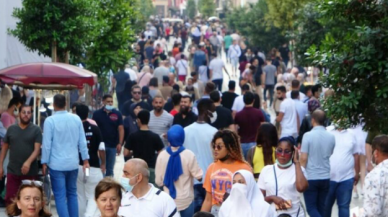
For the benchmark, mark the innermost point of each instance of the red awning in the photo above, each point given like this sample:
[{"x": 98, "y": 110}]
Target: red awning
[{"x": 48, "y": 76}]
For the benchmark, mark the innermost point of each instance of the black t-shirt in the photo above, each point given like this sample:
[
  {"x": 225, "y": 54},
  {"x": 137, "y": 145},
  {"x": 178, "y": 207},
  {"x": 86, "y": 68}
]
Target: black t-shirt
[
  {"x": 145, "y": 145},
  {"x": 224, "y": 118},
  {"x": 257, "y": 75},
  {"x": 184, "y": 122},
  {"x": 228, "y": 99},
  {"x": 168, "y": 106},
  {"x": 93, "y": 140},
  {"x": 141, "y": 44},
  {"x": 284, "y": 52}
]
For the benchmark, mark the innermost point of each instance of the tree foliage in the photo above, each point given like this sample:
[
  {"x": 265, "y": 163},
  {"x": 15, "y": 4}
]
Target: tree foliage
[
  {"x": 358, "y": 62},
  {"x": 191, "y": 9},
  {"x": 207, "y": 8},
  {"x": 283, "y": 13},
  {"x": 40, "y": 23},
  {"x": 112, "y": 36},
  {"x": 251, "y": 23}
]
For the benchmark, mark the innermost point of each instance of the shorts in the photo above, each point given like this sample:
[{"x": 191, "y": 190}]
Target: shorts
[
  {"x": 234, "y": 61},
  {"x": 182, "y": 78}
]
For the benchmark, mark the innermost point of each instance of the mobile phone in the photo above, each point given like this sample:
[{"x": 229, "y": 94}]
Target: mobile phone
[{"x": 87, "y": 172}]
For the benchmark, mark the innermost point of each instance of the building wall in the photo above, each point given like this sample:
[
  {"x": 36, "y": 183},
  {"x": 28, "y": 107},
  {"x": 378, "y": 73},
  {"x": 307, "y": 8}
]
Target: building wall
[{"x": 161, "y": 7}]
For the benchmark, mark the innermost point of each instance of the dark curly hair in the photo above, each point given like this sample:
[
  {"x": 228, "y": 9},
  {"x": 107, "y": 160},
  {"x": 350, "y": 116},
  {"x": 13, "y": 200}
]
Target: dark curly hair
[{"x": 232, "y": 144}]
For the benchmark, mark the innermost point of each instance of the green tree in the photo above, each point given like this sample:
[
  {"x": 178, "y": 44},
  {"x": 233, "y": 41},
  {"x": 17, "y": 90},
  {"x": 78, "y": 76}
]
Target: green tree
[
  {"x": 357, "y": 61},
  {"x": 44, "y": 26},
  {"x": 258, "y": 30},
  {"x": 191, "y": 9},
  {"x": 113, "y": 35},
  {"x": 207, "y": 8},
  {"x": 283, "y": 13}
]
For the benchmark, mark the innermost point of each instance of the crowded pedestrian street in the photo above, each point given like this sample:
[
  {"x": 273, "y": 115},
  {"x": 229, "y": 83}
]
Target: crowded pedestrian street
[{"x": 193, "y": 108}]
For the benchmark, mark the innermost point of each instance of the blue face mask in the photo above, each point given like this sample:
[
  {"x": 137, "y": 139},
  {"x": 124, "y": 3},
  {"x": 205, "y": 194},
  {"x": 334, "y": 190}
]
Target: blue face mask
[
  {"x": 125, "y": 183},
  {"x": 109, "y": 107}
]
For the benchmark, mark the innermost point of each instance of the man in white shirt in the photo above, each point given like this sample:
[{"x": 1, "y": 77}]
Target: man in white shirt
[
  {"x": 148, "y": 33},
  {"x": 182, "y": 67},
  {"x": 376, "y": 182},
  {"x": 295, "y": 85},
  {"x": 216, "y": 74},
  {"x": 132, "y": 74},
  {"x": 142, "y": 198},
  {"x": 234, "y": 53},
  {"x": 238, "y": 103},
  {"x": 301, "y": 107},
  {"x": 343, "y": 162},
  {"x": 288, "y": 117}
]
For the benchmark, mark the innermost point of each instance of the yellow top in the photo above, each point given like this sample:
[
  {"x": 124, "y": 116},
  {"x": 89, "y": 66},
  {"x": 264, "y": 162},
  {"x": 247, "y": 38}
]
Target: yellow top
[{"x": 258, "y": 159}]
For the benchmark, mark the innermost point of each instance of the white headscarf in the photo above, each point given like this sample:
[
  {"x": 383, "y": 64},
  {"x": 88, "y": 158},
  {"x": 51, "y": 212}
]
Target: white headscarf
[{"x": 246, "y": 200}]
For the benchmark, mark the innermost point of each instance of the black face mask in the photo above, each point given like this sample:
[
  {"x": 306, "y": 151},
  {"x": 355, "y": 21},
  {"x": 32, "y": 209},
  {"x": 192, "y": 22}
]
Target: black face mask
[{"x": 280, "y": 98}]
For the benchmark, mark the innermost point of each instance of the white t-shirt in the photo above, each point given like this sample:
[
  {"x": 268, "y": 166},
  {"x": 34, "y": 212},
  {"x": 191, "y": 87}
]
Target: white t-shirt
[
  {"x": 182, "y": 66},
  {"x": 360, "y": 137},
  {"x": 342, "y": 159},
  {"x": 132, "y": 74},
  {"x": 289, "y": 122},
  {"x": 286, "y": 179},
  {"x": 216, "y": 66},
  {"x": 202, "y": 71},
  {"x": 302, "y": 96},
  {"x": 178, "y": 40},
  {"x": 172, "y": 61},
  {"x": 238, "y": 104},
  {"x": 156, "y": 203}
]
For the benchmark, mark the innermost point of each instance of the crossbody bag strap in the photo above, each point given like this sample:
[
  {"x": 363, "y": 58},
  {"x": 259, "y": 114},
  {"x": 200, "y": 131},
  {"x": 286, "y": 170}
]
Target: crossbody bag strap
[{"x": 276, "y": 180}]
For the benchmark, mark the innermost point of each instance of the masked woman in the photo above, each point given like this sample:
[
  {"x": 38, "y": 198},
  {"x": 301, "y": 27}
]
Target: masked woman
[{"x": 282, "y": 182}]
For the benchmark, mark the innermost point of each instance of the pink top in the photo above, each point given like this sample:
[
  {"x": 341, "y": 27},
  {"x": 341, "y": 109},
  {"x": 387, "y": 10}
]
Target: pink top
[
  {"x": 7, "y": 119},
  {"x": 143, "y": 80}
]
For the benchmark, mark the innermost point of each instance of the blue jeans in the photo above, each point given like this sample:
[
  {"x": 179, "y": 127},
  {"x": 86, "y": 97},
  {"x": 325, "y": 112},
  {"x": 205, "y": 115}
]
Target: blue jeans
[
  {"x": 110, "y": 154},
  {"x": 64, "y": 185},
  {"x": 315, "y": 197},
  {"x": 218, "y": 83},
  {"x": 245, "y": 148},
  {"x": 342, "y": 192},
  {"x": 188, "y": 212},
  {"x": 199, "y": 197}
]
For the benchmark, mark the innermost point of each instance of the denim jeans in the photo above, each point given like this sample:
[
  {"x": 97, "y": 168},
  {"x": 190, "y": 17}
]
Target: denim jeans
[
  {"x": 199, "y": 197},
  {"x": 342, "y": 192},
  {"x": 188, "y": 212},
  {"x": 270, "y": 88},
  {"x": 110, "y": 154},
  {"x": 245, "y": 148},
  {"x": 315, "y": 197},
  {"x": 64, "y": 185},
  {"x": 218, "y": 83}
]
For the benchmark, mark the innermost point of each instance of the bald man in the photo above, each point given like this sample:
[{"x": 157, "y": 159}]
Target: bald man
[{"x": 142, "y": 198}]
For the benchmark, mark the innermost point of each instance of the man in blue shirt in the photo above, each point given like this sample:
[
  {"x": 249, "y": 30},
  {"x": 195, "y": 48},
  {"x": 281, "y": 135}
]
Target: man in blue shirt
[
  {"x": 110, "y": 122},
  {"x": 63, "y": 139},
  {"x": 198, "y": 57}
]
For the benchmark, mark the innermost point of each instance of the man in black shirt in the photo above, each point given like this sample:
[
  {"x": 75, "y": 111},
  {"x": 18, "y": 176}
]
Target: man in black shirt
[
  {"x": 144, "y": 144},
  {"x": 224, "y": 116},
  {"x": 86, "y": 183},
  {"x": 229, "y": 96},
  {"x": 186, "y": 116}
]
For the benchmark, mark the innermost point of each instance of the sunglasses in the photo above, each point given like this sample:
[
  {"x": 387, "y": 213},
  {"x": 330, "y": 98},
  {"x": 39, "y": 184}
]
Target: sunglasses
[
  {"x": 136, "y": 92},
  {"x": 30, "y": 182},
  {"x": 285, "y": 152},
  {"x": 217, "y": 147}
]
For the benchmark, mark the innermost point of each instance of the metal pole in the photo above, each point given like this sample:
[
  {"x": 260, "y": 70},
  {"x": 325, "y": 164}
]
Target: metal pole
[{"x": 34, "y": 98}]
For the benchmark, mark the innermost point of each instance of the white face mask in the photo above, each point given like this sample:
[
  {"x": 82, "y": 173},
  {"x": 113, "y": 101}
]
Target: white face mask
[
  {"x": 214, "y": 118},
  {"x": 242, "y": 187},
  {"x": 16, "y": 112}
]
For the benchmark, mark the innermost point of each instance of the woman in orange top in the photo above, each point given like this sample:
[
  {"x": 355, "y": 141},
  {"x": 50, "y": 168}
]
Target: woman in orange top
[
  {"x": 219, "y": 175},
  {"x": 175, "y": 50}
]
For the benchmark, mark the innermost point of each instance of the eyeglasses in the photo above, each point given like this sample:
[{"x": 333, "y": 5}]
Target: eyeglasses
[
  {"x": 30, "y": 182},
  {"x": 136, "y": 92},
  {"x": 25, "y": 113},
  {"x": 285, "y": 152},
  {"x": 217, "y": 147}
]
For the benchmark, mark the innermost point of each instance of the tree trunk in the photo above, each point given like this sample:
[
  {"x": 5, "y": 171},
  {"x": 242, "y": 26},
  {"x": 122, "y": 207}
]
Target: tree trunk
[{"x": 54, "y": 52}]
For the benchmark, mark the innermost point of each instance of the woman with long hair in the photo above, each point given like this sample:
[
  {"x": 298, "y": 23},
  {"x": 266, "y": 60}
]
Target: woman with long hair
[
  {"x": 29, "y": 201},
  {"x": 282, "y": 182},
  {"x": 263, "y": 153},
  {"x": 228, "y": 158}
]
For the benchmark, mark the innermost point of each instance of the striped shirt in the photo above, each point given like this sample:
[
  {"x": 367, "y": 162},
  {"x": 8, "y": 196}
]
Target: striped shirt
[{"x": 160, "y": 125}]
